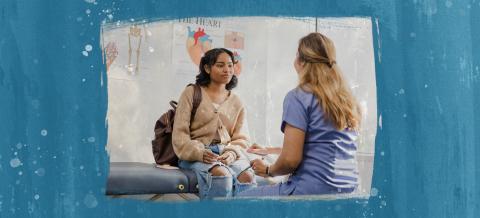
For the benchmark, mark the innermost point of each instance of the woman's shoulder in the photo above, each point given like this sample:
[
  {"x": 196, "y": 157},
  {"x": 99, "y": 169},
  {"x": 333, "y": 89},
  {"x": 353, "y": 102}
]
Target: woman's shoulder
[
  {"x": 188, "y": 91},
  {"x": 299, "y": 93}
]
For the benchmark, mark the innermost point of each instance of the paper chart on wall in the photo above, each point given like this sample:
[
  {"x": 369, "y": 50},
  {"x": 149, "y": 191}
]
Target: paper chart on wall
[{"x": 192, "y": 37}]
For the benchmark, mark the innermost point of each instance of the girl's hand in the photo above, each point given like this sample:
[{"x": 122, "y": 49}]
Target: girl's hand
[
  {"x": 227, "y": 157},
  {"x": 209, "y": 157}
]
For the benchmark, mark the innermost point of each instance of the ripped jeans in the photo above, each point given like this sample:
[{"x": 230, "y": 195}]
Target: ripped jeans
[{"x": 219, "y": 186}]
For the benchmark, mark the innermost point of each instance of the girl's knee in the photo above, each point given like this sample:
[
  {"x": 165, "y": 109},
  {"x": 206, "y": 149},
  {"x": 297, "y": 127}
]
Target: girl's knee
[
  {"x": 219, "y": 171},
  {"x": 246, "y": 177}
]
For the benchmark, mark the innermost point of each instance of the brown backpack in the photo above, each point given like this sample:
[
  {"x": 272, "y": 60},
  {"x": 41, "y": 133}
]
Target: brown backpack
[{"x": 162, "y": 144}]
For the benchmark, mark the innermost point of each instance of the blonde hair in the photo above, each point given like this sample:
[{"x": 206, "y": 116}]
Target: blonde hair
[{"x": 322, "y": 77}]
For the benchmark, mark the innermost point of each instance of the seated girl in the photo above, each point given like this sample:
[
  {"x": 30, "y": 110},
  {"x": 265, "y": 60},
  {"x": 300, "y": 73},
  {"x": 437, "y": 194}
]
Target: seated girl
[{"x": 210, "y": 143}]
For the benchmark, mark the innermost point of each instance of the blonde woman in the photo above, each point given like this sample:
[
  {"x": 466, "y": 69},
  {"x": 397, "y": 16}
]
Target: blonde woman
[{"x": 320, "y": 122}]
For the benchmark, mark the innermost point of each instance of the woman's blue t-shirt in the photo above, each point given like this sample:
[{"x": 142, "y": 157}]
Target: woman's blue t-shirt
[{"x": 329, "y": 163}]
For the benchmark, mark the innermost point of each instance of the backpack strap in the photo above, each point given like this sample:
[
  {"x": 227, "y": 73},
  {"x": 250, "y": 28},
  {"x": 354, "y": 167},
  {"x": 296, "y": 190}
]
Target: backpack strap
[{"x": 197, "y": 98}]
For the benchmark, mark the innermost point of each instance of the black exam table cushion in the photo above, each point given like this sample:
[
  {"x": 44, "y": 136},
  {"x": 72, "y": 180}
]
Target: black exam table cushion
[{"x": 143, "y": 178}]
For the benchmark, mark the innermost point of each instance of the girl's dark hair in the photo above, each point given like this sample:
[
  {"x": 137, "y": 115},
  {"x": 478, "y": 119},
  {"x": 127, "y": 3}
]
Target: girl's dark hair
[{"x": 209, "y": 59}]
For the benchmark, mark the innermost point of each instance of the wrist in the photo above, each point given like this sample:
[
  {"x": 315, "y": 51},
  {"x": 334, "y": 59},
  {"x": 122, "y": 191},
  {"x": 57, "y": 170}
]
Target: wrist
[{"x": 234, "y": 155}]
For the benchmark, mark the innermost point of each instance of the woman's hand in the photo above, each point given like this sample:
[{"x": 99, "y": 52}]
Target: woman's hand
[
  {"x": 259, "y": 167},
  {"x": 260, "y": 150},
  {"x": 257, "y": 149},
  {"x": 256, "y": 146},
  {"x": 209, "y": 157},
  {"x": 227, "y": 157}
]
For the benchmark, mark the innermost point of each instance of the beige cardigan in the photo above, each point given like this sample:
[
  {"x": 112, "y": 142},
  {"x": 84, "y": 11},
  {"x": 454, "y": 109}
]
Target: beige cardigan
[{"x": 190, "y": 138}]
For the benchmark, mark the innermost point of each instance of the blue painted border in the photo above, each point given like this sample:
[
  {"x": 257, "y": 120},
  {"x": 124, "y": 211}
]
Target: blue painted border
[{"x": 428, "y": 49}]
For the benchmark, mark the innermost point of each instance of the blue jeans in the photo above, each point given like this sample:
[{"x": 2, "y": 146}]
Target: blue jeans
[{"x": 219, "y": 186}]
